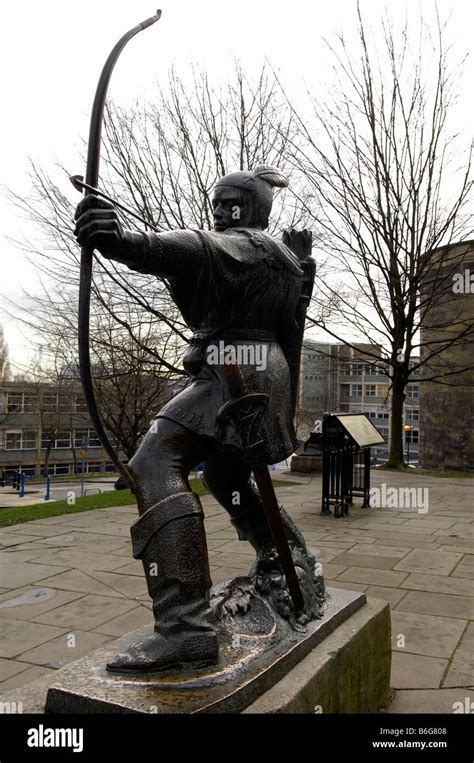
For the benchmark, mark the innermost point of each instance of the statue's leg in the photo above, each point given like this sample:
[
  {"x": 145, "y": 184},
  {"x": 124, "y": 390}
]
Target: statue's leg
[
  {"x": 227, "y": 476},
  {"x": 170, "y": 540}
]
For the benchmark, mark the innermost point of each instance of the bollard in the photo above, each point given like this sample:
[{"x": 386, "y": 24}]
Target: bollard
[
  {"x": 22, "y": 484},
  {"x": 48, "y": 488}
]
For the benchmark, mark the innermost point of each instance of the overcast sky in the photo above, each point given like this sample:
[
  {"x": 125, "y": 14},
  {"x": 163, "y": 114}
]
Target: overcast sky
[{"x": 52, "y": 53}]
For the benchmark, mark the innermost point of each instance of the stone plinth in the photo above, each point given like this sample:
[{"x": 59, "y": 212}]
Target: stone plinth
[{"x": 249, "y": 666}]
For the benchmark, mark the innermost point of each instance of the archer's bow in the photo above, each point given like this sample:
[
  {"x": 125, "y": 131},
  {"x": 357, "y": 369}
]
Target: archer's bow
[{"x": 92, "y": 177}]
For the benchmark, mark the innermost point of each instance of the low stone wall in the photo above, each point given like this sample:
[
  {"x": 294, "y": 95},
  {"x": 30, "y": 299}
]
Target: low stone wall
[{"x": 306, "y": 464}]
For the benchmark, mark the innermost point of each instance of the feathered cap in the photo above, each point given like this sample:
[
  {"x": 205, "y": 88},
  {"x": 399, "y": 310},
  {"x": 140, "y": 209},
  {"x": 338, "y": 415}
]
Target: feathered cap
[{"x": 260, "y": 183}]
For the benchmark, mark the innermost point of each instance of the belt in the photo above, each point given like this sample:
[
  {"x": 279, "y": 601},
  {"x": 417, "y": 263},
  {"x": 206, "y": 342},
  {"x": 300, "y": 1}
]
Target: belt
[{"x": 251, "y": 335}]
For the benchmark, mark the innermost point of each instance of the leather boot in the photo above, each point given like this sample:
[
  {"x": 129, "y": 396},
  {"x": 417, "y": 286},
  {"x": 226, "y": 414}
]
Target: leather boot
[
  {"x": 251, "y": 524},
  {"x": 170, "y": 540}
]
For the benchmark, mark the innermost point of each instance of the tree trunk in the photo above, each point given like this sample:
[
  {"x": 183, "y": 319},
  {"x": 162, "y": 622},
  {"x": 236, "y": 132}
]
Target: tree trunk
[{"x": 395, "y": 459}]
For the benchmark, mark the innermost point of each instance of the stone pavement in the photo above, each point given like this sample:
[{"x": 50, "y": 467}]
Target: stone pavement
[{"x": 69, "y": 584}]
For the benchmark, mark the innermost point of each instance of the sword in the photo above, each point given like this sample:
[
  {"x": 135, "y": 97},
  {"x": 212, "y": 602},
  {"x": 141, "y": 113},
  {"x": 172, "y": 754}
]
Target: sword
[{"x": 246, "y": 410}]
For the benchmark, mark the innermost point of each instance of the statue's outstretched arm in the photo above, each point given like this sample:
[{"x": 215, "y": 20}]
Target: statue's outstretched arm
[{"x": 172, "y": 254}]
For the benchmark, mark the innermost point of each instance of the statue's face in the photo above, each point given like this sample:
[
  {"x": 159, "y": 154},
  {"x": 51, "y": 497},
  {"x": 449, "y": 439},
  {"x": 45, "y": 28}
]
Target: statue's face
[{"x": 232, "y": 208}]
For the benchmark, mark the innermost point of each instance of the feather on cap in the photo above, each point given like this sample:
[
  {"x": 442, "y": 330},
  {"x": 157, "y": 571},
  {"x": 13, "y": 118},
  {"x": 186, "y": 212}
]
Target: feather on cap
[{"x": 271, "y": 175}]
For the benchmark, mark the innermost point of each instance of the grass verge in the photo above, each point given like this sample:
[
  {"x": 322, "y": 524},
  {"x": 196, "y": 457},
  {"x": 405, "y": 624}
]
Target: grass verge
[{"x": 19, "y": 514}]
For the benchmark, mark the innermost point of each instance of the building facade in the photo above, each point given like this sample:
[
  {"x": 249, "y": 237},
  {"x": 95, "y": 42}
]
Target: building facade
[
  {"x": 447, "y": 341},
  {"x": 46, "y": 429},
  {"x": 340, "y": 379}
]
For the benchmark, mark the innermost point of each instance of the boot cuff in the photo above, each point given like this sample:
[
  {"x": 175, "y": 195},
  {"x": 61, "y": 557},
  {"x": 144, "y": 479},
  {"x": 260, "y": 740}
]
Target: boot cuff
[{"x": 173, "y": 507}]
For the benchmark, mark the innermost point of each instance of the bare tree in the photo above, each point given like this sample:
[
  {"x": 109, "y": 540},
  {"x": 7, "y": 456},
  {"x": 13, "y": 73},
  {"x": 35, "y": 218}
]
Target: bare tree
[
  {"x": 4, "y": 362},
  {"x": 389, "y": 185},
  {"x": 163, "y": 159},
  {"x": 130, "y": 384}
]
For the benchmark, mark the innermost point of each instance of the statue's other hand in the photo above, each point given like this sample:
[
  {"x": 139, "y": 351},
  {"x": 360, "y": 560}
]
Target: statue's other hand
[
  {"x": 98, "y": 225},
  {"x": 299, "y": 241}
]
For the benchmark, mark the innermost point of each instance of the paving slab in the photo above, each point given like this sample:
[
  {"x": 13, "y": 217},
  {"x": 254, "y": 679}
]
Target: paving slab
[
  {"x": 86, "y": 613},
  {"x": 439, "y": 584},
  {"x": 380, "y": 550},
  {"x": 74, "y": 539},
  {"x": 438, "y": 604},
  {"x": 438, "y": 523},
  {"x": 392, "y": 595},
  {"x": 461, "y": 669},
  {"x": 14, "y": 555},
  {"x": 222, "y": 573},
  {"x": 24, "y": 678},
  {"x": 465, "y": 568},
  {"x": 81, "y": 559},
  {"x": 436, "y": 562},
  {"x": 78, "y": 580},
  {"x": 9, "y": 668},
  {"x": 330, "y": 570},
  {"x": 134, "y": 567},
  {"x": 426, "y": 634},
  {"x": 132, "y": 620},
  {"x": 222, "y": 559},
  {"x": 8, "y": 540},
  {"x": 369, "y": 575},
  {"x": 65, "y": 649},
  {"x": 416, "y": 672},
  {"x": 130, "y": 586},
  {"x": 445, "y": 701},
  {"x": 28, "y": 602},
  {"x": 377, "y": 561},
  {"x": 35, "y": 528},
  {"x": 344, "y": 585},
  {"x": 17, "y": 574},
  {"x": 17, "y": 636}
]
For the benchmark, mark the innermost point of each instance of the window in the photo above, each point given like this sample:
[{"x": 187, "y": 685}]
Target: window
[
  {"x": 21, "y": 440},
  {"x": 413, "y": 414},
  {"x": 50, "y": 403},
  {"x": 81, "y": 406},
  {"x": 412, "y": 390},
  {"x": 81, "y": 438},
  {"x": 46, "y": 438},
  {"x": 12, "y": 440},
  {"x": 356, "y": 390},
  {"x": 29, "y": 469},
  {"x": 29, "y": 439},
  {"x": 412, "y": 436},
  {"x": 370, "y": 390},
  {"x": 57, "y": 439},
  {"x": 30, "y": 403},
  {"x": 382, "y": 390},
  {"x": 63, "y": 440},
  {"x": 357, "y": 369},
  {"x": 94, "y": 441},
  {"x": 86, "y": 438},
  {"x": 57, "y": 469},
  {"x": 65, "y": 404},
  {"x": 15, "y": 403},
  {"x": 372, "y": 370},
  {"x": 61, "y": 469}
]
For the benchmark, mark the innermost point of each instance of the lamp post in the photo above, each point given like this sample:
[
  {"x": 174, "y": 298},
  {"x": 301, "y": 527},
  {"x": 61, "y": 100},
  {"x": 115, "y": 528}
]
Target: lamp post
[{"x": 408, "y": 428}]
